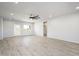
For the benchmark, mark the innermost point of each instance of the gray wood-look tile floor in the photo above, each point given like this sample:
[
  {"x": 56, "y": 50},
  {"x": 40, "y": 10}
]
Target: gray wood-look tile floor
[{"x": 37, "y": 46}]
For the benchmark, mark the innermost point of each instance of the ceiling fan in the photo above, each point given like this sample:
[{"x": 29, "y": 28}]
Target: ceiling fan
[{"x": 34, "y": 17}]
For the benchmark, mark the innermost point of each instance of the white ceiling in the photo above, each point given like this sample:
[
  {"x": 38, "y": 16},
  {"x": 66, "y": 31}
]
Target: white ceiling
[{"x": 22, "y": 10}]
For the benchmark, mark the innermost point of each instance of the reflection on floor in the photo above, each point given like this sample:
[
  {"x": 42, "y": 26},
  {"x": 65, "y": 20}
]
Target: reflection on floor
[{"x": 37, "y": 46}]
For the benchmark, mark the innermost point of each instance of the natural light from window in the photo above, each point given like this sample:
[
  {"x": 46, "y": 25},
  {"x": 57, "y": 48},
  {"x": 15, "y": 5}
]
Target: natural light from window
[{"x": 26, "y": 26}]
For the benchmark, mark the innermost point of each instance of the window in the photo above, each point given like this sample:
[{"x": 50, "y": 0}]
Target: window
[
  {"x": 17, "y": 29},
  {"x": 26, "y": 26}
]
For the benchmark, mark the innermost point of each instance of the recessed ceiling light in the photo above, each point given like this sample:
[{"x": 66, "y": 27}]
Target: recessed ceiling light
[
  {"x": 12, "y": 14},
  {"x": 77, "y": 8}
]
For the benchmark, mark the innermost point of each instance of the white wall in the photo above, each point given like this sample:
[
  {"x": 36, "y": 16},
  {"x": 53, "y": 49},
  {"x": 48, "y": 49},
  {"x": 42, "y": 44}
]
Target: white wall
[
  {"x": 1, "y": 20},
  {"x": 8, "y": 28},
  {"x": 39, "y": 28},
  {"x": 65, "y": 28}
]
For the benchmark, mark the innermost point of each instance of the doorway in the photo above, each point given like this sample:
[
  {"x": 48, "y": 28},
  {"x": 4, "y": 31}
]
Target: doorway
[{"x": 45, "y": 28}]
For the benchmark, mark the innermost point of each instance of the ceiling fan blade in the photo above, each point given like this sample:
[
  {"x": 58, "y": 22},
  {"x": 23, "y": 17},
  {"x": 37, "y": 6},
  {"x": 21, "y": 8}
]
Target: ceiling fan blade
[{"x": 34, "y": 17}]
